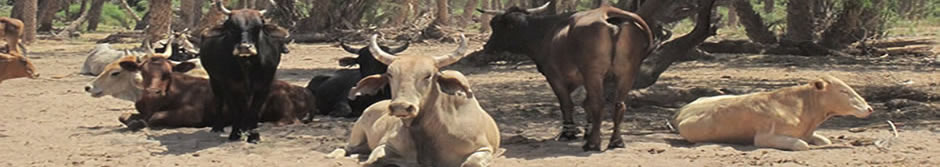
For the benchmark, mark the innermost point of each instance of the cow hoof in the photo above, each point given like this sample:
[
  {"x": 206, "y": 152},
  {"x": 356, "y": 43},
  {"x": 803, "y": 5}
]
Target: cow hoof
[
  {"x": 615, "y": 144},
  {"x": 254, "y": 137},
  {"x": 234, "y": 137},
  {"x": 591, "y": 147},
  {"x": 217, "y": 130},
  {"x": 136, "y": 125},
  {"x": 569, "y": 134}
]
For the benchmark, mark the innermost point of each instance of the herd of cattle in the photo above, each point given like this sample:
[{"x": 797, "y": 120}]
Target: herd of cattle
[{"x": 410, "y": 112}]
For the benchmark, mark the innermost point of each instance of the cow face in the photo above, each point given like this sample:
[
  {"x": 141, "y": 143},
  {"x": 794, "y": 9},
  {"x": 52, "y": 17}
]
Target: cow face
[
  {"x": 116, "y": 81},
  {"x": 247, "y": 27},
  {"x": 413, "y": 79},
  {"x": 839, "y": 98},
  {"x": 185, "y": 49},
  {"x": 509, "y": 27},
  {"x": 156, "y": 72},
  {"x": 367, "y": 63},
  {"x": 16, "y": 66}
]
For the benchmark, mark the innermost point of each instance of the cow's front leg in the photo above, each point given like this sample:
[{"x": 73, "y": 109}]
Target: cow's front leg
[
  {"x": 481, "y": 158},
  {"x": 817, "y": 139},
  {"x": 569, "y": 130},
  {"x": 377, "y": 153},
  {"x": 771, "y": 140}
]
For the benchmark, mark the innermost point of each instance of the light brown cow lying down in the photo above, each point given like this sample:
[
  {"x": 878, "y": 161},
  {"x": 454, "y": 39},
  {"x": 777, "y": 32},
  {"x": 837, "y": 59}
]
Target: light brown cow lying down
[
  {"x": 15, "y": 66},
  {"x": 433, "y": 119},
  {"x": 123, "y": 84},
  {"x": 785, "y": 118}
]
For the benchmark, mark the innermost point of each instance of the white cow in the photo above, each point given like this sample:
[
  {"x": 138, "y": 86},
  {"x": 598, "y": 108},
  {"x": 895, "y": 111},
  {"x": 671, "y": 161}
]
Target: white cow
[{"x": 785, "y": 118}]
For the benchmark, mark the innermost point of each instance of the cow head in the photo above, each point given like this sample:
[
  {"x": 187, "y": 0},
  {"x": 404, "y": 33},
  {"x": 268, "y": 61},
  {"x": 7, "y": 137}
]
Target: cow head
[
  {"x": 414, "y": 79},
  {"x": 840, "y": 99},
  {"x": 508, "y": 28},
  {"x": 248, "y": 27},
  {"x": 16, "y": 66},
  {"x": 156, "y": 72},
  {"x": 116, "y": 81},
  {"x": 367, "y": 63},
  {"x": 184, "y": 49}
]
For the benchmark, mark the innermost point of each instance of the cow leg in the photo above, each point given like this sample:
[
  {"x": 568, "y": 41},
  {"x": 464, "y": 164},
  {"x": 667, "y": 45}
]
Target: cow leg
[
  {"x": 341, "y": 109},
  {"x": 624, "y": 76},
  {"x": 817, "y": 139},
  {"x": 216, "y": 117},
  {"x": 236, "y": 108},
  {"x": 377, "y": 153},
  {"x": 250, "y": 116},
  {"x": 481, "y": 158},
  {"x": 593, "y": 104},
  {"x": 780, "y": 142},
  {"x": 569, "y": 130}
]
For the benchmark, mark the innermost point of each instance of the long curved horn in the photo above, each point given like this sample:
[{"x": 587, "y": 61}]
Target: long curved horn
[
  {"x": 400, "y": 48},
  {"x": 272, "y": 4},
  {"x": 540, "y": 8},
  {"x": 218, "y": 4},
  {"x": 491, "y": 12},
  {"x": 377, "y": 52},
  {"x": 348, "y": 48},
  {"x": 167, "y": 51},
  {"x": 445, "y": 60}
]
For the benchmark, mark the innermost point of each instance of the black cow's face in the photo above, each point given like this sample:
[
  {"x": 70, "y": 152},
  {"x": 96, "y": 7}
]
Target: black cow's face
[
  {"x": 368, "y": 65},
  {"x": 247, "y": 27},
  {"x": 508, "y": 28}
]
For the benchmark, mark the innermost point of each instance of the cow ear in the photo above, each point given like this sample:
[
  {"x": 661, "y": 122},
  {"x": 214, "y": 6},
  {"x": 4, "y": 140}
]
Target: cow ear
[
  {"x": 454, "y": 83},
  {"x": 128, "y": 65},
  {"x": 368, "y": 86},
  {"x": 347, "y": 61},
  {"x": 820, "y": 84},
  {"x": 184, "y": 67},
  {"x": 275, "y": 31}
]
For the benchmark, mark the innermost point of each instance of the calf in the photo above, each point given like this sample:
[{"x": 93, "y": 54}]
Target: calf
[
  {"x": 785, "y": 118},
  {"x": 125, "y": 85},
  {"x": 332, "y": 87},
  {"x": 15, "y": 65},
  {"x": 172, "y": 99},
  {"x": 11, "y": 30},
  {"x": 432, "y": 119}
]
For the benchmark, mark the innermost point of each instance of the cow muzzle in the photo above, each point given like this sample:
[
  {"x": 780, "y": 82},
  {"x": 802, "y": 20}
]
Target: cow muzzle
[
  {"x": 402, "y": 109},
  {"x": 155, "y": 91},
  {"x": 94, "y": 92},
  {"x": 245, "y": 50}
]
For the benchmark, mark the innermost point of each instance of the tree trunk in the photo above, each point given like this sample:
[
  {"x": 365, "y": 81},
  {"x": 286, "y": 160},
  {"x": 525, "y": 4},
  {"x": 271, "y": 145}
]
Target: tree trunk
[
  {"x": 485, "y": 19},
  {"x": 405, "y": 10},
  {"x": 187, "y": 13},
  {"x": 732, "y": 17},
  {"x": 128, "y": 11},
  {"x": 284, "y": 13},
  {"x": 660, "y": 59},
  {"x": 82, "y": 16},
  {"x": 442, "y": 14},
  {"x": 753, "y": 24},
  {"x": 47, "y": 13},
  {"x": 81, "y": 10},
  {"x": 768, "y": 6},
  {"x": 144, "y": 22},
  {"x": 467, "y": 15},
  {"x": 799, "y": 20},
  {"x": 27, "y": 13},
  {"x": 94, "y": 14},
  {"x": 855, "y": 22},
  {"x": 212, "y": 18},
  {"x": 160, "y": 19}
]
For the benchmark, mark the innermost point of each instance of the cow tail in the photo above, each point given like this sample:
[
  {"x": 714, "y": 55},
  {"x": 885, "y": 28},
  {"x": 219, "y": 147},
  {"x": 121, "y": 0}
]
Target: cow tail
[{"x": 634, "y": 20}]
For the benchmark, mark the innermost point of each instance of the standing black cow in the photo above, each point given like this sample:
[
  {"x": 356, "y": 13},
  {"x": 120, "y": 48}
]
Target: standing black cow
[
  {"x": 241, "y": 56},
  {"x": 332, "y": 88}
]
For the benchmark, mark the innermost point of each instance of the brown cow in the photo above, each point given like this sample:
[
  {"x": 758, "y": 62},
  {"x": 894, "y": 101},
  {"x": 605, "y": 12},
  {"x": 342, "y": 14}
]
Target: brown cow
[
  {"x": 173, "y": 99},
  {"x": 11, "y": 30},
  {"x": 433, "y": 119},
  {"x": 13, "y": 64},
  {"x": 785, "y": 118},
  {"x": 578, "y": 49}
]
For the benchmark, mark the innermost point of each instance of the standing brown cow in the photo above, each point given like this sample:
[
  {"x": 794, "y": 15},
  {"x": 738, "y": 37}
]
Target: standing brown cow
[
  {"x": 13, "y": 63},
  {"x": 578, "y": 49}
]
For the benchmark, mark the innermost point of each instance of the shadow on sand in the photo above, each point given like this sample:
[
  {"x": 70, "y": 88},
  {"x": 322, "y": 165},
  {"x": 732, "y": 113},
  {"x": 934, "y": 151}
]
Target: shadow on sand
[{"x": 179, "y": 143}]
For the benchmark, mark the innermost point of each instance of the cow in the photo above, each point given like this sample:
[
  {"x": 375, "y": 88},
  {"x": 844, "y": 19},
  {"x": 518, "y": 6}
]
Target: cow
[
  {"x": 432, "y": 118},
  {"x": 183, "y": 49},
  {"x": 125, "y": 85},
  {"x": 785, "y": 118},
  {"x": 11, "y": 30},
  {"x": 103, "y": 54},
  {"x": 571, "y": 50},
  {"x": 241, "y": 56},
  {"x": 332, "y": 87},
  {"x": 172, "y": 99}
]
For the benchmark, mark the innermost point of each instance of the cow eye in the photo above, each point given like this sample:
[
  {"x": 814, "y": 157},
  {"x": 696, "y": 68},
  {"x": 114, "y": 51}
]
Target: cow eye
[
  {"x": 429, "y": 76},
  {"x": 115, "y": 73}
]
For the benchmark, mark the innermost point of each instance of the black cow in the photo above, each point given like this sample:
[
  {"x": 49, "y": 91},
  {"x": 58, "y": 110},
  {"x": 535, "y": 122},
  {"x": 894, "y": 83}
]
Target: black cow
[
  {"x": 332, "y": 88},
  {"x": 571, "y": 50},
  {"x": 241, "y": 56}
]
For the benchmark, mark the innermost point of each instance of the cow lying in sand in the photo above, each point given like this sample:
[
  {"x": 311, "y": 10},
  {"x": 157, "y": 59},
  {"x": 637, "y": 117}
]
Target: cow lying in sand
[
  {"x": 785, "y": 118},
  {"x": 13, "y": 62},
  {"x": 125, "y": 85},
  {"x": 432, "y": 119}
]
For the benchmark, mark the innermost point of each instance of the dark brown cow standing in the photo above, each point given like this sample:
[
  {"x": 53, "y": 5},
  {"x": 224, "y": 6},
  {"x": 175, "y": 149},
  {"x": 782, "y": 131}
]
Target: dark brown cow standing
[
  {"x": 173, "y": 99},
  {"x": 578, "y": 49}
]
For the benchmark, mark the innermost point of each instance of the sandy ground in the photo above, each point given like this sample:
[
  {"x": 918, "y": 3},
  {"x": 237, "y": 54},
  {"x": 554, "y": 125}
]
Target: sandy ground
[{"x": 51, "y": 121}]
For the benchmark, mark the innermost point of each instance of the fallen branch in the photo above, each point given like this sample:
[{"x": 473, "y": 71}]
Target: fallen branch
[{"x": 893, "y": 125}]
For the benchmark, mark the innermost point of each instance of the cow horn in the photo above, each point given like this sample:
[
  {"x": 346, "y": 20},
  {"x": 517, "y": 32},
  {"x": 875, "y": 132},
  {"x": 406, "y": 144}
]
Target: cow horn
[
  {"x": 218, "y": 3},
  {"x": 445, "y": 60},
  {"x": 348, "y": 48},
  {"x": 491, "y": 12},
  {"x": 400, "y": 48},
  {"x": 167, "y": 51},
  {"x": 539, "y": 9},
  {"x": 377, "y": 52},
  {"x": 272, "y": 4}
]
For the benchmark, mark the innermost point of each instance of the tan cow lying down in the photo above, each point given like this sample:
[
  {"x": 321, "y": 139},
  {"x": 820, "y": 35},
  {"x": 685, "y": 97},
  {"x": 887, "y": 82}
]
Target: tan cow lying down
[
  {"x": 432, "y": 119},
  {"x": 785, "y": 118},
  {"x": 125, "y": 85}
]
